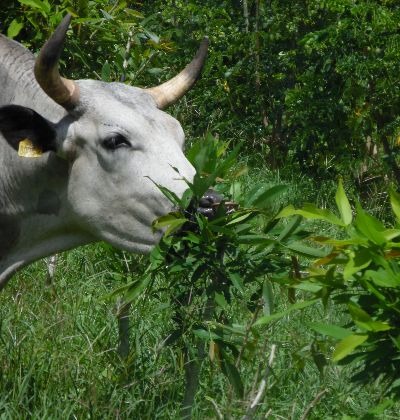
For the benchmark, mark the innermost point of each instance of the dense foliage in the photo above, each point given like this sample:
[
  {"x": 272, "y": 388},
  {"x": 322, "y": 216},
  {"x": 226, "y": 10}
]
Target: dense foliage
[
  {"x": 361, "y": 272},
  {"x": 312, "y": 84}
]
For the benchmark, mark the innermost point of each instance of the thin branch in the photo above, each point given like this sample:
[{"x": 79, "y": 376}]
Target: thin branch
[
  {"x": 247, "y": 333},
  {"x": 246, "y": 16},
  {"x": 193, "y": 366},
  {"x": 51, "y": 263},
  {"x": 216, "y": 408},
  {"x": 262, "y": 387},
  {"x": 313, "y": 403},
  {"x": 126, "y": 56}
]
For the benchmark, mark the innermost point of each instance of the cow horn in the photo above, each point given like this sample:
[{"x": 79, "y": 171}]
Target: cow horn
[
  {"x": 172, "y": 90},
  {"x": 63, "y": 91}
]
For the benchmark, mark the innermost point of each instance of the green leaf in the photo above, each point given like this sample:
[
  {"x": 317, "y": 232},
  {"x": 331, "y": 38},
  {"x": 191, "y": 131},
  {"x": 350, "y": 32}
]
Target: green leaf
[
  {"x": 255, "y": 239},
  {"x": 307, "y": 251},
  {"x": 308, "y": 287},
  {"x": 172, "y": 221},
  {"x": 347, "y": 345},
  {"x": 155, "y": 70},
  {"x": 289, "y": 228},
  {"x": 358, "y": 260},
  {"x": 330, "y": 330},
  {"x": 206, "y": 335},
  {"x": 152, "y": 36},
  {"x": 369, "y": 226},
  {"x": 343, "y": 204},
  {"x": 172, "y": 197},
  {"x": 268, "y": 298},
  {"x": 379, "y": 409},
  {"x": 136, "y": 288},
  {"x": 14, "y": 28},
  {"x": 106, "y": 71},
  {"x": 220, "y": 300},
  {"x": 43, "y": 6},
  {"x": 357, "y": 313},
  {"x": 310, "y": 211},
  {"x": 106, "y": 14},
  {"x": 390, "y": 234},
  {"x": 239, "y": 217},
  {"x": 395, "y": 203},
  {"x": 374, "y": 326},
  {"x": 264, "y": 196},
  {"x": 300, "y": 305},
  {"x": 237, "y": 281},
  {"x": 233, "y": 376},
  {"x": 383, "y": 278}
]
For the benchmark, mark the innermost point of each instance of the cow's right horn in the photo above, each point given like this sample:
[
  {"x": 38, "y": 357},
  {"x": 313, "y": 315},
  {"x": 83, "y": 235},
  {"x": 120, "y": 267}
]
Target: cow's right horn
[
  {"x": 172, "y": 90},
  {"x": 63, "y": 91}
]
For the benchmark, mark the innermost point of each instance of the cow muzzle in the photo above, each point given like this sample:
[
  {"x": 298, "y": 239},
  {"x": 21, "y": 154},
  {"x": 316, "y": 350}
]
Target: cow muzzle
[{"x": 211, "y": 201}]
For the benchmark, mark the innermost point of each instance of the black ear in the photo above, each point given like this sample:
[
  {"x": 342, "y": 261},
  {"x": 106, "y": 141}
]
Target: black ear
[{"x": 18, "y": 123}]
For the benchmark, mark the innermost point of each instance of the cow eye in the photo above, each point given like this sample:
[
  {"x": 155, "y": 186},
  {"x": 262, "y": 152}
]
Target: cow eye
[{"x": 115, "y": 142}]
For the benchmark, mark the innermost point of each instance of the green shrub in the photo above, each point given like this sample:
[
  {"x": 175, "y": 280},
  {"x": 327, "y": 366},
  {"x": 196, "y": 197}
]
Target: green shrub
[{"x": 361, "y": 273}]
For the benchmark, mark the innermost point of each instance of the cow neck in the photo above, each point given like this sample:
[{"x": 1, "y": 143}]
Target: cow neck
[{"x": 35, "y": 220}]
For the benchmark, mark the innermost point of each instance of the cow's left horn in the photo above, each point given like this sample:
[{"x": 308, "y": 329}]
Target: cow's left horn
[
  {"x": 172, "y": 90},
  {"x": 63, "y": 91}
]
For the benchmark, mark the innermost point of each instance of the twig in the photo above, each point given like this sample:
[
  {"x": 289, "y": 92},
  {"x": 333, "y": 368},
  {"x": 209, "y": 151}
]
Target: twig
[
  {"x": 216, "y": 408},
  {"x": 51, "y": 263},
  {"x": 126, "y": 56},
  {"x": 261, "y": 389},
  {"x": 247, "y": 333},
  {"x": 297, "y": 276},
  {"x": 267, "y": 414},
  {"x": 193, "y": 366},
  {"x": 123, "y": 309},
  {"x": 313, "y": 403}
]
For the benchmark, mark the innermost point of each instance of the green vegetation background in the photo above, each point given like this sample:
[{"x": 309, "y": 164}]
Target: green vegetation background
[{"x": 312, "y": 90}]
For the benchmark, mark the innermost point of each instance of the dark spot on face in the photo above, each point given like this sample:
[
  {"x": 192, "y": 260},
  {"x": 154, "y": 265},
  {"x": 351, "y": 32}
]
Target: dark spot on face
[
  {"x": 48, "y": 203},
  {"x": 9, "y": 234}
]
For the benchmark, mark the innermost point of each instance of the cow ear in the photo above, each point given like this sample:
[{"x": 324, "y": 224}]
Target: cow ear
[{"x": 18, "y": 123}]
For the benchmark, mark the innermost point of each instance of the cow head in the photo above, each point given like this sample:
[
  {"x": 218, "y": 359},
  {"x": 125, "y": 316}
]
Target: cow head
[{"x": 117, "y": 144}]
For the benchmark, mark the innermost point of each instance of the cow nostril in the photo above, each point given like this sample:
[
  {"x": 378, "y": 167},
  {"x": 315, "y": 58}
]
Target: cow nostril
[
  {"x": 209, "y": 203},
  {"x": 210, "y": 198}
]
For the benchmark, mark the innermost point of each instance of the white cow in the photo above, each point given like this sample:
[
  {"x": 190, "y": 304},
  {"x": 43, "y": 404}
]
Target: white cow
[{"x": 79, "y": 159}]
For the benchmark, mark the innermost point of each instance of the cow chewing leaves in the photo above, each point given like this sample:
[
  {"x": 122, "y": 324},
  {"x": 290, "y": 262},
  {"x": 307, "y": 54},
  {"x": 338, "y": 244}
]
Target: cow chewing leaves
[{"x": 77, "y": 156}]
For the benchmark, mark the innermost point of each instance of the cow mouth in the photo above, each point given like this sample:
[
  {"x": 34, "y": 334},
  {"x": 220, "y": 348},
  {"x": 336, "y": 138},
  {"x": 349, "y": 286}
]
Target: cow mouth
[{"x": 210, "y": 203}]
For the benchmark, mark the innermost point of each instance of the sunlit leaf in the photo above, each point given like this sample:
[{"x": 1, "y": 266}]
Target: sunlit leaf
[
  {"x": 264, "y": 195},
  {"x": 307, "y": 251},
  {"x": 268, "y": 298},
  {"x": 330, "y": 330},
  {"x": 310, "y": 211},
  {"x": 395, "y": 203},
  {"x": 343, "y": 204},
  {"x": 301, "y": 305},
  {"x": 383, "y": 278},
  {"x": 358, "y": 260},
  {"x": 43, "y": 6},
  {"x": 347, "y": 345},
  {"x": 14, "y": 28},
  {"x": 106, "y": 71},
  {"x": 369, "y": 226}
]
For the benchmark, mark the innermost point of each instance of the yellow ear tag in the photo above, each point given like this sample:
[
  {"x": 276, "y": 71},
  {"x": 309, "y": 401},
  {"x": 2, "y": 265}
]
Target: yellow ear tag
[{"x": 27, "y": 149}]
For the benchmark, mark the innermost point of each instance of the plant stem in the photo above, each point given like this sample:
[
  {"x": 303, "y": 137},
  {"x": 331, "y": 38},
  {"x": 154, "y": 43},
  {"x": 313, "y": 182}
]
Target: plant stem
[
  {"x": 123, "y": 309},
  {"x": 262, "y": 387},
  {"x": 193, "y": 366}
]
